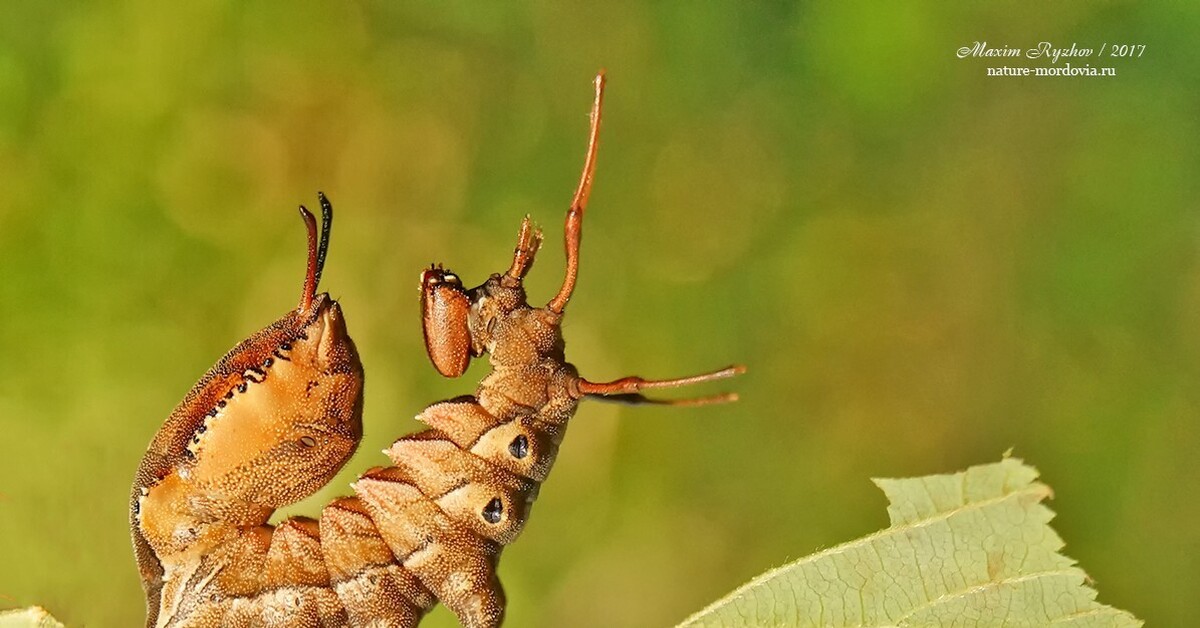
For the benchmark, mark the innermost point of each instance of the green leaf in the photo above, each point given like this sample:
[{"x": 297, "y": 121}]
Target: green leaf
[
  {"x": 969, "y": 549},
  {"x": 32, "y": 617}
]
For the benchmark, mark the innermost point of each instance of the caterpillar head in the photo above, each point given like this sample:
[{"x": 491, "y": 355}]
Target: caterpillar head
[
  {"x": 461, "y": 323},
  {"x": 445, "y": 310}
]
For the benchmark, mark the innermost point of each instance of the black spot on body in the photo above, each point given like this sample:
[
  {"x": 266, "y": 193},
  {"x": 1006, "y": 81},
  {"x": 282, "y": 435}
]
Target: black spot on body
[
  {"x": 493, "y": 510},
  {"x": 519, "y": 448}
]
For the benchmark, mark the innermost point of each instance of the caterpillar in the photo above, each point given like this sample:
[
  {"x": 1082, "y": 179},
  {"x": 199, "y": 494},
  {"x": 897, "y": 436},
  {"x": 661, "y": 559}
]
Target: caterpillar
[{"x": 281, "y": 413}]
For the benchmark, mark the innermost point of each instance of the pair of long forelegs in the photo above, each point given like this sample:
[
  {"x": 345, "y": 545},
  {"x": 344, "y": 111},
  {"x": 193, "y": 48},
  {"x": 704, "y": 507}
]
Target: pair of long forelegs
[{"x": 626, "y": 389}]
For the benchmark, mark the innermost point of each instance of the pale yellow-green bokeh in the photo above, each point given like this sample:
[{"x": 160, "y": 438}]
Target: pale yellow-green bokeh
[{"x": 921, "y": 266}]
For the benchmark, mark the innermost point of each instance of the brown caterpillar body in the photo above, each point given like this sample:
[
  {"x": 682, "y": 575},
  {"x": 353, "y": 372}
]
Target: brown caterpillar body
[{"x": 428, "y": 529}]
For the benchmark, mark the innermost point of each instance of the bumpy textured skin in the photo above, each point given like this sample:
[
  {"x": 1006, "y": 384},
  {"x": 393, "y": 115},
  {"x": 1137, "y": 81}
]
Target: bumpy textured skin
[
  {"x": 462, "y": 490},
  {"x": 422, "y": 531},
  {"x": 278, "y": 416},
  {"x": 268, "y": 425}
]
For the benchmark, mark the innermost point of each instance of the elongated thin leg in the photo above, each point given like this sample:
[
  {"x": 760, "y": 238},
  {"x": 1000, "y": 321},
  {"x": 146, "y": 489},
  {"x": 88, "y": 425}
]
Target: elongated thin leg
[
  {"x": 528, "y": 243},
  {"x": 573, "y": 232},
  {"x": 637, "y": 399},
  {"x": 628, "y": 389}
]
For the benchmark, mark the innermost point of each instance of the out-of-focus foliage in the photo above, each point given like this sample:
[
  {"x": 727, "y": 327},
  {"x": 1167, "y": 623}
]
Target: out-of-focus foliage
[
  {"x": 921, "y": 265},
  {"x": 969, "y": 548},
  {"x": 32, "y": 617}
]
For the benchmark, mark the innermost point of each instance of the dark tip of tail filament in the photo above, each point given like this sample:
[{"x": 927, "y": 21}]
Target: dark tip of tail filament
[
  {"x": 326, "y": 226},
  {"x": 317, "y": 250}
]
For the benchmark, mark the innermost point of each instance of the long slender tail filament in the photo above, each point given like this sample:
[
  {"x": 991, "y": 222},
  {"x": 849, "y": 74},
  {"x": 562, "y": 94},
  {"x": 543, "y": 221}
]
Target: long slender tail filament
[
  {"x": 326, "y": 226},
  {"x": 309, "y": 291},
  {"x": 317, "y": 250}
]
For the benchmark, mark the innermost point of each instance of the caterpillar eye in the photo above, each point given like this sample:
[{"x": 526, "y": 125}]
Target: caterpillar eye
[{"x": 493, "y": 510}]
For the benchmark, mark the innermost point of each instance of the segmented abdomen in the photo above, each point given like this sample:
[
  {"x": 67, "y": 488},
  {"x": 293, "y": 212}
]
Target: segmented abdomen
[{"x": 428, "y": 529}]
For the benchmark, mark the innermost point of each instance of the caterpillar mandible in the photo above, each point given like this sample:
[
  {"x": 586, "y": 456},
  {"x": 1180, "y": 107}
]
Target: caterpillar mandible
[{"x": 428, "y": 529}]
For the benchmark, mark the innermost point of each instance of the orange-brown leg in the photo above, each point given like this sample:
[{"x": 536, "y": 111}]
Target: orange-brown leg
[
  {"x": 573, "y": 232},
  {"x": 528, "y": 243},
  {"x": 628, "y": 389}
]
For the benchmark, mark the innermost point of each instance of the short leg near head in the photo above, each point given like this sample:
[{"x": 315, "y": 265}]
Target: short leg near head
[{"x": 528, "y": 243}]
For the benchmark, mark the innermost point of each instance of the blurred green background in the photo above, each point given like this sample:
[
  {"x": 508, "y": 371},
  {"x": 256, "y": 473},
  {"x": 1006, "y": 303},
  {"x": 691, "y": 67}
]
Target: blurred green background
[{"x": 922, "y": 266}]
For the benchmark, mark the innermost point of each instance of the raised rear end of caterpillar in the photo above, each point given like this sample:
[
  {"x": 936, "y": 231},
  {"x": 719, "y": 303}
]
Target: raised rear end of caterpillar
[{"x": 267, "y": 426}]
